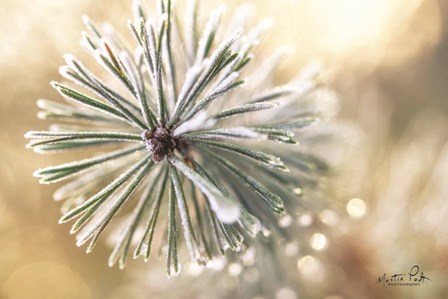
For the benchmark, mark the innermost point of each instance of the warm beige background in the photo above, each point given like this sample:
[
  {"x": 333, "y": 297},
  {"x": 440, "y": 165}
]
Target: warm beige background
[{"x": 387, "y": 53}]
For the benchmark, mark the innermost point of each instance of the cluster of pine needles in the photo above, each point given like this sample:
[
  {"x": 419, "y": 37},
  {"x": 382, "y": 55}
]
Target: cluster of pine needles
[{"x": 181, "y": 132}]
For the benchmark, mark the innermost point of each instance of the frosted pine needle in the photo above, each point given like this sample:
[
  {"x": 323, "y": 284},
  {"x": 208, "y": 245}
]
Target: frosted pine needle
[{"x": 190, "y": 146}]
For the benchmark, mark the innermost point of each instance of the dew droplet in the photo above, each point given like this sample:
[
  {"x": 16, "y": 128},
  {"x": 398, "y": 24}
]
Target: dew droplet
[
  {"x": 248, "y": 257},
  {"x": 254, "y": 229},
  {"x": 304, "y": 220},
  {"x": 265, "y": 232},
  {"x": 217, "y": 264},
  {"x": 310, "y": 268},
  {"x": 356, "y": 208},
  {"x": 297, "y": 191},
  {"x": 228, "y": 212},
  {"x": 318, "y": 242},
  {"x": 285, "y": 221}
]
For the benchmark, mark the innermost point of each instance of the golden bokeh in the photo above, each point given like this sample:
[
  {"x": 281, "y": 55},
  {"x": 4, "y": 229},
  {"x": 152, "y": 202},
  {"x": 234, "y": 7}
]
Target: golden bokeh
[{"x": 45, "y": 280}]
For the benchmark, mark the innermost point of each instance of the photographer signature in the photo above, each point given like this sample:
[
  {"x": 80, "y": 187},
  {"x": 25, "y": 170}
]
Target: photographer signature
[{"x": 414, "y": 277}]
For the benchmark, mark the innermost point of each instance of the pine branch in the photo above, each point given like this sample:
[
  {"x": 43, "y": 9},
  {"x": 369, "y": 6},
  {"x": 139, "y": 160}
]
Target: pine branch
[{"x": 176, "y": 100}]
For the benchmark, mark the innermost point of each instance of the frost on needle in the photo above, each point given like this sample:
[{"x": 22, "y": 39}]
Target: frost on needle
[{"x": 185, "y": 144}]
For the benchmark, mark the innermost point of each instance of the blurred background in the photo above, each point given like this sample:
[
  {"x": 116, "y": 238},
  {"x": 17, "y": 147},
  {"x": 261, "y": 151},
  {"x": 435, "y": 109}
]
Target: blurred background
[{"x": 389, "y": 65}]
